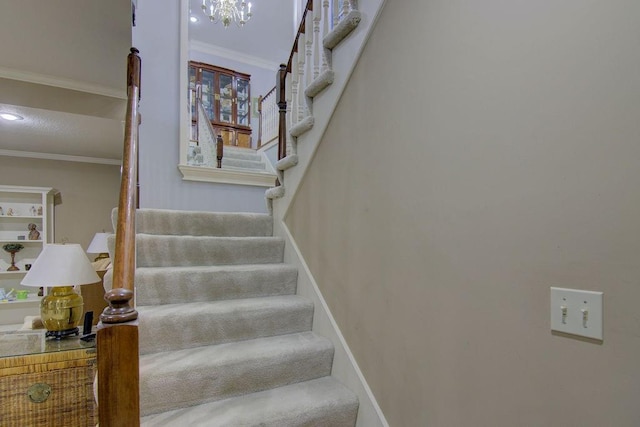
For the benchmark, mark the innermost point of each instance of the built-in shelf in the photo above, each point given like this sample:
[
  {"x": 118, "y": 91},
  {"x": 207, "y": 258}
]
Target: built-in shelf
[
  {"x": 30, "y": 300},
  {"x": 13, "y": 273},
  {"x": 20, "y": 217},
  {"x": 28, "y": 205}
]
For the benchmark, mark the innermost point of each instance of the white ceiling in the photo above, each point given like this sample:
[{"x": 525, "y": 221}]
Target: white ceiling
[
  {"x": 267, "y": 36},
  {"x": 64, "y": 70}
]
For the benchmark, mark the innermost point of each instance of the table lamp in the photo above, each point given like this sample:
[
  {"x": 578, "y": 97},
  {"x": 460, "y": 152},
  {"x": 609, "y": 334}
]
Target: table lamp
[
  {"x": 99, "y": 246},
  {"x": 60, "y": 267}
]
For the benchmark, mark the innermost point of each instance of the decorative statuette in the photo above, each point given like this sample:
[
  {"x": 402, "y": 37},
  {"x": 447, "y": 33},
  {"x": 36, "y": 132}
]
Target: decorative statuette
[
  {"x": 34, "y": 234},
  {"x": 13, "y": 248}
]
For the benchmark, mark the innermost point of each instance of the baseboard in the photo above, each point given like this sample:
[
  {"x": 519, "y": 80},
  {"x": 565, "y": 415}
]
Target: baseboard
[{"x": 345, "y": 368}]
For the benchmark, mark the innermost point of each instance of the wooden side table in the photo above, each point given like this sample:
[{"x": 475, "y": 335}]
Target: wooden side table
[{"x": 45, "y": 382}]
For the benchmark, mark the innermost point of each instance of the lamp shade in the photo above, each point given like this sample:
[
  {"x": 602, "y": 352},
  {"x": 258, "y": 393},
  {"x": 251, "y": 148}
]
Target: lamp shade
[
  {"x": 99, "y": 244},
  {"x": 61, "y": 265}
]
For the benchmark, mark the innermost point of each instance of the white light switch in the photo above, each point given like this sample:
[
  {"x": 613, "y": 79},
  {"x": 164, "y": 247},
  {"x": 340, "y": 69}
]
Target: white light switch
[{"x": 576, "y": 312}]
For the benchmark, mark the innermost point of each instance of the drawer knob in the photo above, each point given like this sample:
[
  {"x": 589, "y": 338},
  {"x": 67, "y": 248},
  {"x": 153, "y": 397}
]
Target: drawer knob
[{"x": 39, "y": 392}]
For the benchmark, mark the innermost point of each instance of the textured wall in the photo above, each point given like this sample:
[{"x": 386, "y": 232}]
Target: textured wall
[
  {"x": 483, "y": 152},
  {"x": 89, "y": 193}
]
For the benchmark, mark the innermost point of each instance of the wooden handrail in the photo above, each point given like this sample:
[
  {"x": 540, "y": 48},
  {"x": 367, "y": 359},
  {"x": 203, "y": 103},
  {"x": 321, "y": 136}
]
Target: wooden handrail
[
  {"x": 301, "y": 30},
  {"x": 117, "y": 337}
]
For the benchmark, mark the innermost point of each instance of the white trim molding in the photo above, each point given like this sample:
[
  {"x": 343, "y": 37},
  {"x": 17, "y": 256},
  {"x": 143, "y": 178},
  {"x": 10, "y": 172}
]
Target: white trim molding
[
  {"x": 226, "y": 176},
  {"x": 60, "y": 157},
  {"x": 345, "y": 366},
  {"x": 43, "y": 79},
  {"x": 211, "y": 49}
]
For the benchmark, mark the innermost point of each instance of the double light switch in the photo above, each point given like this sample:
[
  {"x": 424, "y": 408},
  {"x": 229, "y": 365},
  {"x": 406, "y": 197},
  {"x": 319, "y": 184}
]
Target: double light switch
[{"x": 577, "y": 312}]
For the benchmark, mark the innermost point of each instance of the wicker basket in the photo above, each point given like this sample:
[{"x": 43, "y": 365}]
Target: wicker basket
[{"x": 51, "y": 389}]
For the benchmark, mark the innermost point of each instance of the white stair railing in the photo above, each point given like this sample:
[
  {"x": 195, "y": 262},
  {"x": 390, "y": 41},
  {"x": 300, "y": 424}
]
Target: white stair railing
[{"x": 268, "y": 109}]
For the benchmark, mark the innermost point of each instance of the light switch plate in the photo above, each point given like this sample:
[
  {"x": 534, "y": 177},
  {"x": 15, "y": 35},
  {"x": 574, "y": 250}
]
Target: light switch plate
[{"x": 577, "y": 312}]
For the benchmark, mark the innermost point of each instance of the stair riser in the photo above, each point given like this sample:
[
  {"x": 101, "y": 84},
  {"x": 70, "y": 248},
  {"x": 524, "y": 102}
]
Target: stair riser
[
  {"x": 208, "y": 382},
  {"x": 245, "y": 164},
  {"x": 168, "y": 251},
  {"x": 155, "y": 287},
  {"x": 200, "y": 327},
  {"x": 233, "y": 154},
  {"x": 165, "y": 222}
]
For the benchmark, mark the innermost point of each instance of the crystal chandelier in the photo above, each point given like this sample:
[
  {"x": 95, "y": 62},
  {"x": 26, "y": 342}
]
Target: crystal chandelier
[{"x": 226, "y": 11}]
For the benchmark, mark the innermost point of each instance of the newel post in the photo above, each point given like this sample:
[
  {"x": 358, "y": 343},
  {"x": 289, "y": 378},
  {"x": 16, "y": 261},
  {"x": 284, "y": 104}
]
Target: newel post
[
  {"x": 281, "y": 100},
  {"x": 219, "y": 150},
  {"x": 117, "y": 337}
]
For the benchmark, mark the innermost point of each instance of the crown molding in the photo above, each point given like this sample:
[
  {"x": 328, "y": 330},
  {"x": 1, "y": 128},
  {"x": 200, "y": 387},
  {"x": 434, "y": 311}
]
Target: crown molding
[
  {"x": 43, "y": 79},
  {"x": 211, "y": 49},
  {"x": 59, "y": 157}
]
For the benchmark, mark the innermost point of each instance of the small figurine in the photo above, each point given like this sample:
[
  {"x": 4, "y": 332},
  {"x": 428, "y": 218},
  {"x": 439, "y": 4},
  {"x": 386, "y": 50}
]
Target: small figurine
[
  {"x": 39, "y": 210},
  {"x": 34, "y": 234},
  {"x": 1, "y": 211},
  {"x": 10, "y": 212},
  {"x": 32, "y": 211}
]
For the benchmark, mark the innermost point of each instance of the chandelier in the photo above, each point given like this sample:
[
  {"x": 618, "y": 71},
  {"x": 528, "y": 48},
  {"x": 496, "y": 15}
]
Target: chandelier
[{"x": 226, "y": 11}]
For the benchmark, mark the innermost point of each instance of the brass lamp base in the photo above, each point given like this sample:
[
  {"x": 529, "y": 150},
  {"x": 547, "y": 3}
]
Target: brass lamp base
[
  {"x": 61, "y": 312},
  {"x": 103, "y": 255}
]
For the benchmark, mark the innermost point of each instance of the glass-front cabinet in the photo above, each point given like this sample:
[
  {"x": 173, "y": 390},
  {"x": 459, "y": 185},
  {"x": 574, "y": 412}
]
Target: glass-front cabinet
[{"x": 226, "y": 98}]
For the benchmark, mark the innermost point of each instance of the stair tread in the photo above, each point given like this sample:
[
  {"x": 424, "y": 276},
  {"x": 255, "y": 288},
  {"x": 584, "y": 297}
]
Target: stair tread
[
  {"x": 216, "y": 372},
  {"x": 322, "y": 401},
  {"x": 215, "y": 322}
]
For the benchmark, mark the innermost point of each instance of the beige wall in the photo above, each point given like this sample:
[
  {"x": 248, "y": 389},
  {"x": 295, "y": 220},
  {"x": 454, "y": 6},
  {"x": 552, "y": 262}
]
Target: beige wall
[
  {"x": 89, "y": 192},
  {"x": 483, "y": 152}
]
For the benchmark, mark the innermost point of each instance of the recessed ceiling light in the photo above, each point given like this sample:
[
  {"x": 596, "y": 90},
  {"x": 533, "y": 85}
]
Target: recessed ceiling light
[
  {"x": 193, "y": 19},
  {"x": 10, "y": 116}
]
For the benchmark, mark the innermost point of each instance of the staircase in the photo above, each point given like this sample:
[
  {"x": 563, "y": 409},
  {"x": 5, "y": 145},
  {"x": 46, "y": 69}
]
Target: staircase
[
  {"x": 235, "y": 158},
  {"x": 310, "y": 72},
  {"x": 224, "y": 339}
]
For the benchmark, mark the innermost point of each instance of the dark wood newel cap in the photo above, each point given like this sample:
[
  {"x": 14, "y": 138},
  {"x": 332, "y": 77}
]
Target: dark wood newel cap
[{"x": 119, "y": 310}]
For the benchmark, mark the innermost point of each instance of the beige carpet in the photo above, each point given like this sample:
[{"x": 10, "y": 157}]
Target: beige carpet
[{"x": 224, "y": 340}]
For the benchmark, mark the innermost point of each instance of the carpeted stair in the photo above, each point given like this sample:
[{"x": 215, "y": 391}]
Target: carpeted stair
[{"x": 224, "y": 339}]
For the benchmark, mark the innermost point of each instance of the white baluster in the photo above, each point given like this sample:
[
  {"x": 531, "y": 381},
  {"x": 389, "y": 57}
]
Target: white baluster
[
  {"x": 325, "y": 31},
  {"x": 301, "y": 78},
  {"x": 273, "y": 116},
  {"x": 335, "y": 11},
  {"x": 294, "y": 89},
  {"x": 317, "y": 17},
  {"x": 288, "y": 95},
  {"x": 309, "y": 34},
  {"x": 346, "y": 8}
]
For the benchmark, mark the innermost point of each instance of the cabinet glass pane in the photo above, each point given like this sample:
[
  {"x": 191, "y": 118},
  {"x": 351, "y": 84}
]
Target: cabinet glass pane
[
  {"x": 226, "y": 98},
  {"x": 208, "y": 89},
  {"x": 243, "y": 102}
]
